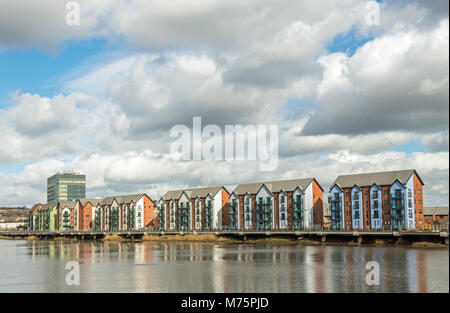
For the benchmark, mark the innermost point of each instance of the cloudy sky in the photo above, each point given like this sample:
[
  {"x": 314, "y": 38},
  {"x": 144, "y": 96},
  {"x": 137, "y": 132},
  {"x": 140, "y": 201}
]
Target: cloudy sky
[{"x": 348, "y": 95}]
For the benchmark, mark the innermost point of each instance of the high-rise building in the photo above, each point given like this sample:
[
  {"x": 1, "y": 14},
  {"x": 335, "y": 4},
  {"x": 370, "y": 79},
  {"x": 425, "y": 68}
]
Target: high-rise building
[{"x": 68, "y": 186}]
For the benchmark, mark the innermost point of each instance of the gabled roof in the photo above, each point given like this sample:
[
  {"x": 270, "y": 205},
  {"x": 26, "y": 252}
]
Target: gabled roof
[
  {"x": 275, "y": 186},
  {"x": 69, "y": 204},
  {"x": 123, "y": 199},
  {"x": 130, "y": 198},
  {"x": 379, "y": 178},
  {"x": 94, "y": 202},
  {"x": 107, "y": 200},
  {"x": 333, "y": 185},
  {"x": 35, "y": 206},
  {"x": 192, "y": 193},
  {"x": 49, "y": 205}
]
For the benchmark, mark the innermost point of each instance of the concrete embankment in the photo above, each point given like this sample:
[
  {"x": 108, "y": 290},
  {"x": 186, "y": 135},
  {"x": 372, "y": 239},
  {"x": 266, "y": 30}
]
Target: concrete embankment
[
  {"x": 188, "y": 238},
  {"x": 407, "y": 239}
]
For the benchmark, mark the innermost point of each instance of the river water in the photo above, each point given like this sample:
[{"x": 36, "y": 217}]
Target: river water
[{"x": 40, "y": 266}]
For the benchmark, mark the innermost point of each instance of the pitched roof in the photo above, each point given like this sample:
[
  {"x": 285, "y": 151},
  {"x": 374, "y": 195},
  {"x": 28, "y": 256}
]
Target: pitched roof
[
  {"x": 94, "y": 202},
  {"x": 130, "y": 198},
  {"x": 192, "y": 192},
  {"x": 69, "y": 204},
  {"x": 49, "y": 205},
  {"x": 35, "y": 206},
  {"x": 440, "y": 210},
  {"x": 274, "y": 186},
  {"x": 379, "y": 178},
  {"x": 123, "y": 199},
  {"x": 107, "y": 200}
]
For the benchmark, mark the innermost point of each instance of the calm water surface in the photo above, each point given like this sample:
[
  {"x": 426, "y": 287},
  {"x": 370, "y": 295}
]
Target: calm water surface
[{"x": 39, "y": 266}]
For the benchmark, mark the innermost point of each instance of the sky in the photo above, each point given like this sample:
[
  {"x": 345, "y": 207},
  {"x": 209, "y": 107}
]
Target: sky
[{"x": 347, "y": 94}]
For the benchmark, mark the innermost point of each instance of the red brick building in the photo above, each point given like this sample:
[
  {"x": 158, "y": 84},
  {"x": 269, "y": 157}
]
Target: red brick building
[
  {"x": 436, "y": 218},
  {"x": 383, "y": 200}
]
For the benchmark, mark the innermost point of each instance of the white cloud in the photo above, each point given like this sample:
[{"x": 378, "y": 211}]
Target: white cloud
[
  {"x": 230, "y": 62},
  {"x": 376, "y": 89}
]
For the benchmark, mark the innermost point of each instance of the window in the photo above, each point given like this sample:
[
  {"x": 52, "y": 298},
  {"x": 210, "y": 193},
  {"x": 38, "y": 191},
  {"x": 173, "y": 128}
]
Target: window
[
  {"x": 375, "y": 214},
  {"x": 410, "y": 214},
  {"x": 409, "y": 193},
  {"x": 419, "y": 191},
  {"x": 409, "y": 203}
]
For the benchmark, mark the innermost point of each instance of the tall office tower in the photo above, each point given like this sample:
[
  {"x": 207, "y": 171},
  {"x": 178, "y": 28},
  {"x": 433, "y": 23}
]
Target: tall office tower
[{"x": 68, "y": 186}]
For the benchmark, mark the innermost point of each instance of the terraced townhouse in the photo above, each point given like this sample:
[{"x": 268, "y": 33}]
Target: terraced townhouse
[
  {"x": 390, "y": 200},
  {"x": 85, "y": 211},
  {"x": 199, "y": 209},
  {"x": 370, "y": 201},
  {"x": 295, "y": 204},
  {"x": 46, "y": 217},
  {"x": 122, "y": 213}
]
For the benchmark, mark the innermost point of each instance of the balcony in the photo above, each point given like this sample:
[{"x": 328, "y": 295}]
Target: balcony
[
  {"x": 263, "y": 202},
  {"x": 335, "y": 207},
  {"x": 397, "y": 205},
  {"x": 397, "y": 196},
  {"x": 334, "y": 199},
  {"x": 397, "y": 216}
]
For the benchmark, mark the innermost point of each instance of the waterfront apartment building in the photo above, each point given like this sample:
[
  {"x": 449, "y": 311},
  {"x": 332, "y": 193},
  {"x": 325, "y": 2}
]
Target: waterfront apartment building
[
  {"x": 194, "y": 209},
  {"x": 117, "y": 213},
  {"x": 46, "y": 217},
  {"x": 375, "y": 201},
  {"x": 295, "y": 204},
  {"x": 67, "y": 218},
  {"x": 122, "y": 213},
  {"x": 66, "y": 186},
  {"x": 85, "y": 212}
]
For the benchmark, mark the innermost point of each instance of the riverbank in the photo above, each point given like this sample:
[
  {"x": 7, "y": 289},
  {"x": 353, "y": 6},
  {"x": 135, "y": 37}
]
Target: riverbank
[{"x": 275, "y": 240}]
